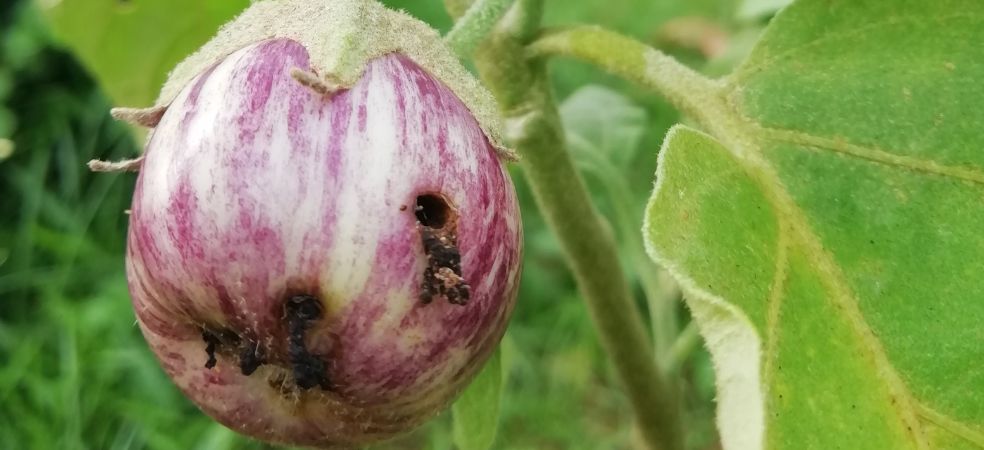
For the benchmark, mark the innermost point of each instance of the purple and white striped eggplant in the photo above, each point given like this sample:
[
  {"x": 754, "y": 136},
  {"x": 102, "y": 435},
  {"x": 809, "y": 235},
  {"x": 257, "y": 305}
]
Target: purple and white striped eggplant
[{"x": 315, "y": 259}]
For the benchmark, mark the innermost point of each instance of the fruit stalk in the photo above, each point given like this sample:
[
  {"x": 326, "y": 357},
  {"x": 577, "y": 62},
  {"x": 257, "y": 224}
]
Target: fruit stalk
[{"x": 476, "y": 22}]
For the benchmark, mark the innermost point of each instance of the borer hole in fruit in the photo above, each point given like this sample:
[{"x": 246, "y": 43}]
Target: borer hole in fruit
[
  {"x": 432, "y": 210},
  {"x": 438, "y": 225}
]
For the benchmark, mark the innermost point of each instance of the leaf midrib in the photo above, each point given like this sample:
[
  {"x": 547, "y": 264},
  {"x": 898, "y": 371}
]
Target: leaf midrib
[
  {"x": 828, "y": 271},
  {"x": 893, "y": 160},
  {"x": 918, "y": 407}
]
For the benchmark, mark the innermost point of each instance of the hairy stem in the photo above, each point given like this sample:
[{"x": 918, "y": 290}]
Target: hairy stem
[
  {"x": 522, "y": 88},
  {"x": 690, "y": 92},
  {"x": 661, "y": 293},
  {"x": 476, "y": 22}
]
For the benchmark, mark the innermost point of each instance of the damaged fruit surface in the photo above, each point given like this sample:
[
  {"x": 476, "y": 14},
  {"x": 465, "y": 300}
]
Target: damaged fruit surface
[{"x": 321, "y": 267}]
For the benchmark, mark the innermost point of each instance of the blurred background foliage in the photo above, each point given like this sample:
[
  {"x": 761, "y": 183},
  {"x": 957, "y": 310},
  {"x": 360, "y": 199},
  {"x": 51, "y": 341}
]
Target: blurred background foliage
[{"x": 74, "y": 370}]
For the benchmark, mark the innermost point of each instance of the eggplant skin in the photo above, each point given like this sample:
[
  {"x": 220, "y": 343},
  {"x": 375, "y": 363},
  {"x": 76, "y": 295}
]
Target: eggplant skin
[{"x": 257, "y": 191}]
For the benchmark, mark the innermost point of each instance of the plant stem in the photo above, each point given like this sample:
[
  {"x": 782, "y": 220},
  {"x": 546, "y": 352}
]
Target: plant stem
[
  {"x": 661, "y": 292},
  {"x": 690, "y": 92},
  {"x": 533, "y": 126},
  {"x": 476, "y": 22}
]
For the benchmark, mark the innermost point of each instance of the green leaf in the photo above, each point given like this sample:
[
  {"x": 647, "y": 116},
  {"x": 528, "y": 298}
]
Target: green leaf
[
  {"x": 753, "y": 9},
  {"x": 828, "y": 235},
  {"x": 132, "y": 45},
  {"x": 476, "y": 412},
  {"x": 605, "y": 146},
  {"x": 616, "y": 133}
]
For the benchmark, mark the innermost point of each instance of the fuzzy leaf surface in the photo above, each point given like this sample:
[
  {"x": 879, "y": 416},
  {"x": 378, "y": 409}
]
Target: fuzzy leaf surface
[{"x": 827, "y": 230}]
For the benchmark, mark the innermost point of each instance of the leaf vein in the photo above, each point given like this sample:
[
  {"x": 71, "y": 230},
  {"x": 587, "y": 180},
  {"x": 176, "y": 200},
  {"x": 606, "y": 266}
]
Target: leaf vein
[
  {"x": 746, "y": 139},
  {"x": 774, "y": 305},
  {"x": 745, "y": 72},
  {"x": 969, "y": 174},
  {"x": 954, "y": 426},
  {"x": 747, "y": 146},
  {"x": 841, "y": 293}
]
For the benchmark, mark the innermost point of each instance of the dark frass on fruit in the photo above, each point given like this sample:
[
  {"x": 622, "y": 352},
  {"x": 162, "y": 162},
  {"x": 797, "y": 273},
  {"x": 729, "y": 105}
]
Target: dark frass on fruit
[
  {"x": 438, "y": 225},
  {"x": 301, "y": 312}
]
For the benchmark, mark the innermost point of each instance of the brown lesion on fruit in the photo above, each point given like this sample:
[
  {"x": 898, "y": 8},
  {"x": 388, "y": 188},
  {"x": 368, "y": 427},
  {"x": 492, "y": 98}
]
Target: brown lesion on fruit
[{"x": 438, "y": 225}]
